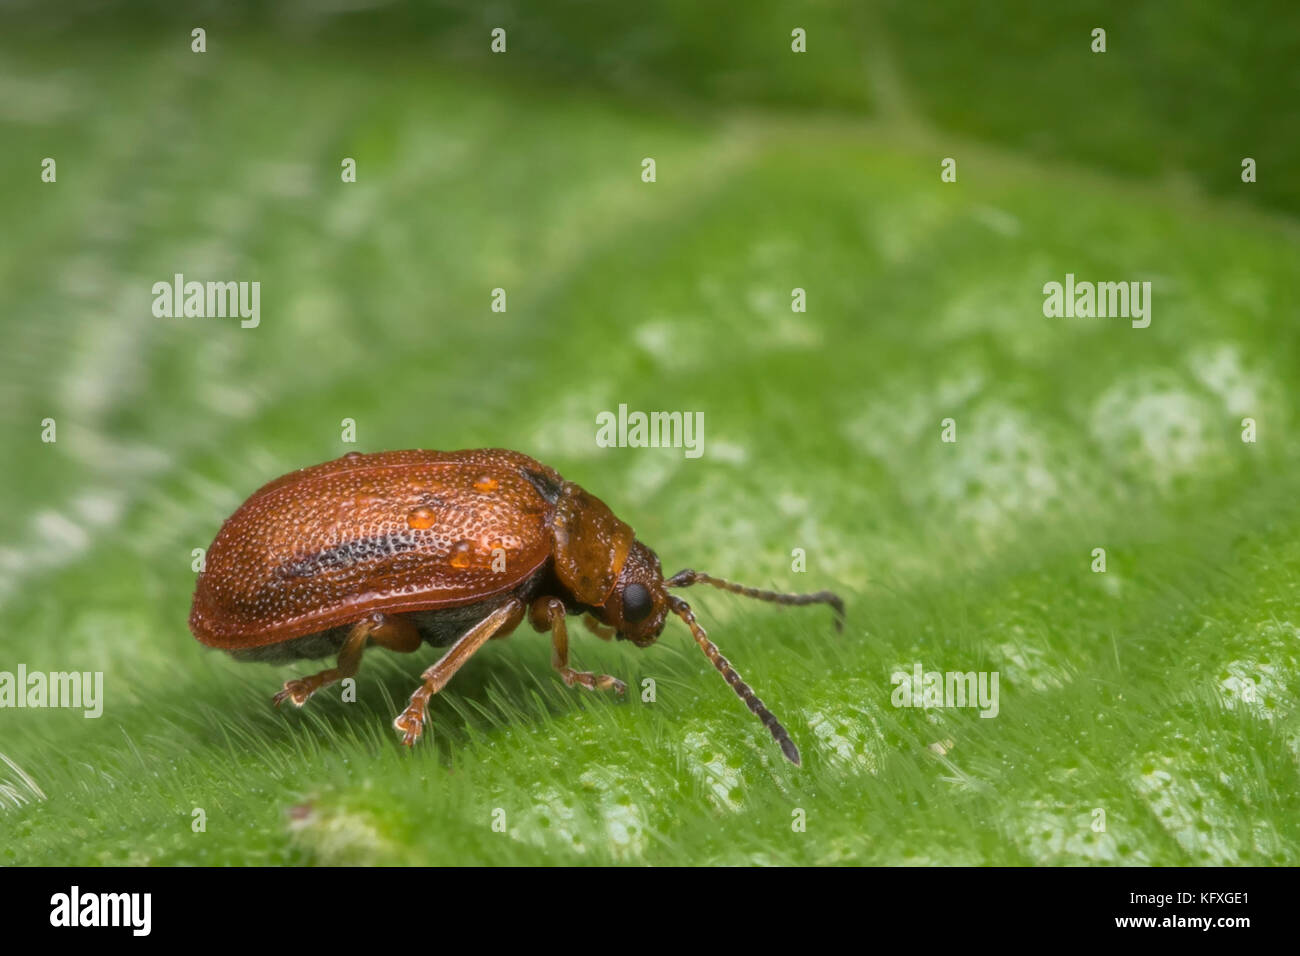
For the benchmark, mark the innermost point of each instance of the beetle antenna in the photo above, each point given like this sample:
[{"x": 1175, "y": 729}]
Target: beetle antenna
[
  {"x": 743, "y": 690},
  {"x": 684, "y": 579}
]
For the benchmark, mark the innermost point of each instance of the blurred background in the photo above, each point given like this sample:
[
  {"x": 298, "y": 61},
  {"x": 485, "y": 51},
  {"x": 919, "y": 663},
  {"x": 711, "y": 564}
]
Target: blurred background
[{"x": 1160, "y": 691}]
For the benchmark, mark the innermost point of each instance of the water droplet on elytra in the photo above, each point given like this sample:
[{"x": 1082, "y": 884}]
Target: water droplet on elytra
[
  {"x": 421, "y": 518},
  {"x": 462, "y": 555}
]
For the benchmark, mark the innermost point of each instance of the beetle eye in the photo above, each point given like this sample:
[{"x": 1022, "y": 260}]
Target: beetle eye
[{"x": 636, "y": 602}]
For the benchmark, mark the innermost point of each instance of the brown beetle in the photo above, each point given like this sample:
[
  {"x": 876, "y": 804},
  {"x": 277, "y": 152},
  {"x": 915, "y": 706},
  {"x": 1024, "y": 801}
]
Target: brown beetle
[{"x": 449, "y": 548}]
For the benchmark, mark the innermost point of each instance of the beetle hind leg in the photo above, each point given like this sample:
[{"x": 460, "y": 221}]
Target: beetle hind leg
[
  {"x": 300, "y": 689},
  {"x": 394, "y": 633},
  {"x": 548, "y": 614}
]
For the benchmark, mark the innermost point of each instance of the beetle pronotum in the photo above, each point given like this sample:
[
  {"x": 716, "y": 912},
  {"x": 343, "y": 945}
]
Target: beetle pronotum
[{"x": 450, "y": 548}]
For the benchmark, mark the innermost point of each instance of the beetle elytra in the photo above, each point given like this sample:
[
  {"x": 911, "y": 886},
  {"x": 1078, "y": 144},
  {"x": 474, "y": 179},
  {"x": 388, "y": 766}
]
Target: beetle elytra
[{"x": 397, "y": 549}]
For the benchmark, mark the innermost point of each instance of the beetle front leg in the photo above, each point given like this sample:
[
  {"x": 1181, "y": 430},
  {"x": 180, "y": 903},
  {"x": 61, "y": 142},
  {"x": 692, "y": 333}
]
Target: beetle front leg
[
  {"x": 549, "y": 613},
  {"x": 411, "y": 721},
  {"x": 603, "y": 631}
]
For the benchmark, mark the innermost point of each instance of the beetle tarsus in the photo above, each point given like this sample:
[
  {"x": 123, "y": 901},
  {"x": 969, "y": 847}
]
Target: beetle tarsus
[
  {"x": 592, "y": 681},
  {"x": 296, "y": 690},
  {"x": 411, "y": 722}
]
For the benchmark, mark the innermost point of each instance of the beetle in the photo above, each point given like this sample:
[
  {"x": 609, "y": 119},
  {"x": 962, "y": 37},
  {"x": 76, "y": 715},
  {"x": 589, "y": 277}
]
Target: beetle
[{"x": 397, "y": 549}]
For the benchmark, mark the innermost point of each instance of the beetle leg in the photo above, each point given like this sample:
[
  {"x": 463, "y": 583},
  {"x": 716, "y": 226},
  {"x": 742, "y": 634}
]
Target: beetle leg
[
  {"x": 394, "y": 633},
  {"x": 602, "y": 631},
  {"x": 299, "y": 689},
  {"x": 411, "y": 721},
  {"x": 549, "y": 612}
]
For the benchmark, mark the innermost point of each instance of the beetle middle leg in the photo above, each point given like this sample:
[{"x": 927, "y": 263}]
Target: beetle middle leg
[
  {"x": 547, "y": 613},
  {"x": 411, "y": 721},
  {"x": 394, "y": 633}
]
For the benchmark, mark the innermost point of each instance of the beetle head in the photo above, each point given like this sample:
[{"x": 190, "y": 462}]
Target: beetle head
[
  {"x": 598, "y": 559},
  {"x": 638, "y": 605},
  {"x": 619, "y": 580}
]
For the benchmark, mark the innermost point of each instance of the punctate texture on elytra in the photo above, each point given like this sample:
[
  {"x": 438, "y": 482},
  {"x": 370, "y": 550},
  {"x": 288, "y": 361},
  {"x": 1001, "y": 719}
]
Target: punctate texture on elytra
[{"x": 393, "y": 531}]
